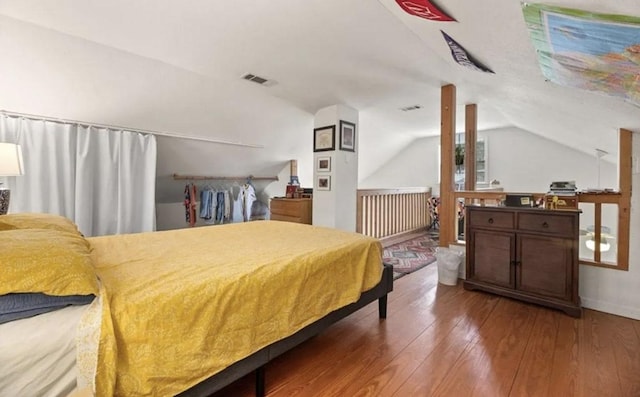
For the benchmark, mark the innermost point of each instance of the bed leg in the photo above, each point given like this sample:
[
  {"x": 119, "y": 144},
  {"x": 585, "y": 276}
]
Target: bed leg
[
  {"x": 382, "y": 307},
  {"x": 260, "y": 382}
]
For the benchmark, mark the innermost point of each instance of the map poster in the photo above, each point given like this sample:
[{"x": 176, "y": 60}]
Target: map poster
[{"x": 585, "y": 50}]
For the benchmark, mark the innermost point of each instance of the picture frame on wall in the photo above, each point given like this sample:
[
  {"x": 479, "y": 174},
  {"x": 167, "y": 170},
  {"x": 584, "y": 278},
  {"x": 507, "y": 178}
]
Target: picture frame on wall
[
  {"x": 347, "y": 136},
  {"x": 324, "y": 138},
  {"x": 324, "y": 182},
  {"x": 323, "y": 164}
]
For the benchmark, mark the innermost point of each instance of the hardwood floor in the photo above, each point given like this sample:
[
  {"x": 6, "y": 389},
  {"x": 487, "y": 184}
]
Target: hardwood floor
[{"x": 445, "y": 341}]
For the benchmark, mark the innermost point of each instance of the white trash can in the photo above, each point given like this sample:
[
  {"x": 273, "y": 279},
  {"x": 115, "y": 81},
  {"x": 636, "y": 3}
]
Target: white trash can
[{"x": 448, "y": 264}]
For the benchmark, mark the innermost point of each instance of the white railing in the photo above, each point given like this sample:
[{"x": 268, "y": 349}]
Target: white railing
[{"x": 384, "y": 213}]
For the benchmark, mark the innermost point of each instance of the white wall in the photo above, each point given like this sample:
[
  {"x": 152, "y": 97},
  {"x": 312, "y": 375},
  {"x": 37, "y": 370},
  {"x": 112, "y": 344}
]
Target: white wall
[
  {"x": 336, "y": 208},
  {"x": 415, "y": 165},
  {"x": 520, "y": 160}
]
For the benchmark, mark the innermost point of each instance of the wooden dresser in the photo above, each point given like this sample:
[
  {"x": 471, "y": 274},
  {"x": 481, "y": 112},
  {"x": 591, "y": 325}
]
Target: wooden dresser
[
  {"x": 525, "y": 253},
  {"x": 291, "y": 210}
]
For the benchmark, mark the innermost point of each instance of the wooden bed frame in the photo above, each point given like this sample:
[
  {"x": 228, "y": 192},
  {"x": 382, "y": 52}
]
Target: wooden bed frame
[{"x": 258, "y": 360}]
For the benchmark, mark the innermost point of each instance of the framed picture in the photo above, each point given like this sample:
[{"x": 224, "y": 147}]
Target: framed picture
[
  {"x": 347, "y": 136},
  {"x": 323, "y": 164},
  {"x": 324, "y": 182},
  {"x": 324, "y": 138}
]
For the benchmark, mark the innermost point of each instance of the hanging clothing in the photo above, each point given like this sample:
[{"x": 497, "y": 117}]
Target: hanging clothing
[
  {"x": 238, "y": 210},
  {"x": 219, "y": 207},
  {"x": 190, "y": 204},
  {"x": 206, "y": 196},
  {"x": 249, "y": 196},
  {"x": 227, "y": 206}
]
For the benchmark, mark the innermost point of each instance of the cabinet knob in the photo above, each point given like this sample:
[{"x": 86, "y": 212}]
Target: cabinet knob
[
  {"x": 490, "y": 220},
  {"x": 545, "y": 225}
]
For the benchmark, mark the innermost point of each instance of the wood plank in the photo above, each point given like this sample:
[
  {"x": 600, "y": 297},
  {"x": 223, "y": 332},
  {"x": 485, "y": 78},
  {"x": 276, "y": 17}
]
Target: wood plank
[
  {"x": 470, "y": 138},
  {"x": 565, "y": 376},
  {"x": 357, "y": 376},
  {"x": 598, "y": 375},
  {"x": 626, "y": 349},
  {"x": 534, "y": 372},
  {"x": 449, "y": 344},
  {"x": 489, "y": 365},
  {"x": 625, "y": 162},
  {"x": 447, "y": 137},
  {"x": 636, "y": 325}
]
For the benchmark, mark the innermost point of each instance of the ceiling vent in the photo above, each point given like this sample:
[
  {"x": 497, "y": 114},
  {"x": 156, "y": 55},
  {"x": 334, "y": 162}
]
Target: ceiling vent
[
  {"x": 409, "y": 108},
  {"x": 258, "y": 79}
]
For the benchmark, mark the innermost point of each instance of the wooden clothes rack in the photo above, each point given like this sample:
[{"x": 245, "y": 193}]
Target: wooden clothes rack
[{"x": 224, "y": 178}]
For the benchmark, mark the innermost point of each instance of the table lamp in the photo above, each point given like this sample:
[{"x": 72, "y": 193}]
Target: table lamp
[{"x": 10, "y": 165}]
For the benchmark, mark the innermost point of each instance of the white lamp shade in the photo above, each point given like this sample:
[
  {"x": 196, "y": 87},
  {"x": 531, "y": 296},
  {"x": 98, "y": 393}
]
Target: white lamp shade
[
  {"x": 10, "y": 160},
  {"x": 604, "y": 245}
]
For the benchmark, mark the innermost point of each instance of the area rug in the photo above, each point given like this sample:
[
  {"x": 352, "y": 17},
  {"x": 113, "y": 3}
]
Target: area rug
[{"x": 411, "y": 255}]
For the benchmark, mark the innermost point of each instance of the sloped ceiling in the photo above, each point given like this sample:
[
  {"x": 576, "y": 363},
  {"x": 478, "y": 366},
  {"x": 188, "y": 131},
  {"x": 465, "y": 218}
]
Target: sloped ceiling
[{"x": 367, "y": 54}]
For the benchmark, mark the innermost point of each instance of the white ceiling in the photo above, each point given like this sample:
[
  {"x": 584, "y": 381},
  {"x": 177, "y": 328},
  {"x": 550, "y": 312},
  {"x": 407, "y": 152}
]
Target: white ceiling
[{"x": 367, "y": 54}]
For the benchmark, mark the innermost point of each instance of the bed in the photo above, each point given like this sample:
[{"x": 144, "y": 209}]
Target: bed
[{"x": 190, "y": 311}]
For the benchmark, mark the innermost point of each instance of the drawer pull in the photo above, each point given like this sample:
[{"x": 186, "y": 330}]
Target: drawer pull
[
  {"x": 545, "y": 225},
  {"x": 490, "y": 220}
]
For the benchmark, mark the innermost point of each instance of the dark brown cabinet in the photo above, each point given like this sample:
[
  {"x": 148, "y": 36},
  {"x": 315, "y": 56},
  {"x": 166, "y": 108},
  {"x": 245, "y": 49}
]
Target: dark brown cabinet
[{"x": 525, "y": 253}]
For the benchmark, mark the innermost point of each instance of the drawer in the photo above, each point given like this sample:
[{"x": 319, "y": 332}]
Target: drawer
[
  {"x": 547, "y": 223},
  {"x": 284, "y": 218},
  {"x": 499, "y": 219},
  {"x": 288, "y": 207}
]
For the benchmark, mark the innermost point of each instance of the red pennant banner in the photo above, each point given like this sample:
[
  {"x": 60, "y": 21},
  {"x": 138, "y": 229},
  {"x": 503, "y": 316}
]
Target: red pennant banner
[{"x": 424, "y": 9}]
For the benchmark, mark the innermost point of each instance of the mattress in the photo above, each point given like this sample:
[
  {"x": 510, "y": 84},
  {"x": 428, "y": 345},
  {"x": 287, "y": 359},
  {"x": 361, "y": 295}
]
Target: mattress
[{"x": 38, "y": 354}]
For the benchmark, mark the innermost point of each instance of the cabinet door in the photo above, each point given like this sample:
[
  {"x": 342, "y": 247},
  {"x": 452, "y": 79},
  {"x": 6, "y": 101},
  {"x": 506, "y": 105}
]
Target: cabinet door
[
  {"x": 493, "y": 255},
  {"x": 544, "y": 266}
]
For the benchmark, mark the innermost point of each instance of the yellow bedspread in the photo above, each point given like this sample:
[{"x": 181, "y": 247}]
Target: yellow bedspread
[{"x": 186, "y": 304}]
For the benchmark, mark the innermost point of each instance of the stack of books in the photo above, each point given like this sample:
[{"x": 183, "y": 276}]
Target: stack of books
[
  {"x": 567, "y": 188},
  {"x": 562, "y": 196}
]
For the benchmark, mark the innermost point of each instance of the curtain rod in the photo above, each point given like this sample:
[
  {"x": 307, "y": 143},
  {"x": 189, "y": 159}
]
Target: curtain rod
[
  {"x": 225, "y": 178},
  {"x": 116, "y": 127}
]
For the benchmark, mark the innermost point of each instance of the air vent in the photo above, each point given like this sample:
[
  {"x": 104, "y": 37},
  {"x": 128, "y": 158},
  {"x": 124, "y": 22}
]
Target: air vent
[
  {"x": 256, "y": 79},
  {"x": 409, "y": 108}
]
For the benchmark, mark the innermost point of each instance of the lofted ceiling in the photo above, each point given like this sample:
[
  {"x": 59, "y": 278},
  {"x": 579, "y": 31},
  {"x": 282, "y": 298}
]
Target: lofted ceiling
[{"x": 367, "y": 54}]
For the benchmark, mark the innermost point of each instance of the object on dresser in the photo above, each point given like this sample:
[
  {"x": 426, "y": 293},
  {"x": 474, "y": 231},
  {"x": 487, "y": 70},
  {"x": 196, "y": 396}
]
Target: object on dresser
[
  {"x": 518, "y": 200},
  {"x": 291, "y": 190},
  {"x": 566, "y": 188},
  {"x": 307, "y": 192},
  {"x": 562, "y": 196}
]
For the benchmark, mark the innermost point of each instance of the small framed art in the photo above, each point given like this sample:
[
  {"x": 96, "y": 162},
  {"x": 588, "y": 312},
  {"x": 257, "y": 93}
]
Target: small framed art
[
  {"x": 323, "y": 164},
  {"x": 347, "y": 136},
  {"x": 324, "y": 138},
  {"x": 324, "y": 182}
]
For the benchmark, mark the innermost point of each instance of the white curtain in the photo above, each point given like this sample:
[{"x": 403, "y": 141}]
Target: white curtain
[{"x": 101, "y": 178}]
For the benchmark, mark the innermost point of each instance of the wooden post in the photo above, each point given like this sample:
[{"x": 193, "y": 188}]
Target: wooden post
[
  {"x": 470, "y": 137},
  {"x": 625, "y": 143},
  {"x": 447, "y": 137}
]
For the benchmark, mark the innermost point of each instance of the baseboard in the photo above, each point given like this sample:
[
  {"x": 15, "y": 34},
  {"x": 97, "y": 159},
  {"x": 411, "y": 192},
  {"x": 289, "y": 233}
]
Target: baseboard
[
  {"x": 403, "y": 236},
  {"x": 611, "y": 308}
]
